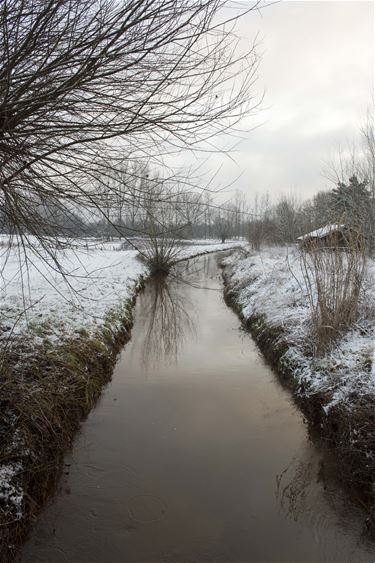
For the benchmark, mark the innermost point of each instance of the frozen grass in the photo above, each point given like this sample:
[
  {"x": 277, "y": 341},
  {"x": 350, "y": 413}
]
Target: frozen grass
[
  {"x": 270, "y": 284},
  {"x": 35, "y": 298},
  {"x": 335, "y": 390},
  {"x": 39, "y": 301},
  {"x": 58, "y": 343}
]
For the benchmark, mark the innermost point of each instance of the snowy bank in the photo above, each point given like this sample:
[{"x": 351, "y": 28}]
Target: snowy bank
[
  {"x": 59, "y": 339},
  {"x": 36, "y": 300},
  {"x": 336, "y": 390}
]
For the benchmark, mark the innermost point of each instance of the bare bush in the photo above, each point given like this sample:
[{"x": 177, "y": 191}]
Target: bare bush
[{"x": 333, "y": 278}]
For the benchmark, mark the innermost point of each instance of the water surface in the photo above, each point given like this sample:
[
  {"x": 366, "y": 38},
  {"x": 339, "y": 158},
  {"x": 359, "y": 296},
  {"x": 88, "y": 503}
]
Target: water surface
[{"x": 195, "y": 453}]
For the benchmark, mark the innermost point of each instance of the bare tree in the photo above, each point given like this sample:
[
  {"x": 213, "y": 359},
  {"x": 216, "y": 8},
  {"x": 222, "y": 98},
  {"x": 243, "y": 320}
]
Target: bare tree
[
  {"x": 190, "y": 210},
  {"x": 208, "y": 215},
  {"x": 287, "y": 216},
  {"x": 75, "y": 75},
  {"x": 260, "y": 227},
  {"x": 164, "y": 223},
  {"x": 239, "y": 205},
  {"x": 223, "y": 224}
]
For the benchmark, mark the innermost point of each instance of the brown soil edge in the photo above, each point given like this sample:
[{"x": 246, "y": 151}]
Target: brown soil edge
[
  {"x": 48, "y": 400},
  {"x": 69, "y": 381},
  {"x": 335, "y": 430}
]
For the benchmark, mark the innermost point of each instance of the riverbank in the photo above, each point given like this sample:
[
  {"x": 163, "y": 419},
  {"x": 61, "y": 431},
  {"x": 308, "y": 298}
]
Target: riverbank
[
  {"x": 336, "y": 391},
  {"x": 58, "y": 346},
  {"x": 195, "y": 452}
]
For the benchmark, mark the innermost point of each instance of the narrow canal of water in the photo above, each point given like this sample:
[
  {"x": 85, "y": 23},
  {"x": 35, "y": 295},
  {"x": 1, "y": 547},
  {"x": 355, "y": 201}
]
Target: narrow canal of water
[{"x": 195, "y": 453}]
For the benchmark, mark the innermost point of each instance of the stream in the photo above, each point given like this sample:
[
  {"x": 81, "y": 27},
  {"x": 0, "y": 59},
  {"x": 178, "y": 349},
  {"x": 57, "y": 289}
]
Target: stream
[{"x": 195, "y": 453}]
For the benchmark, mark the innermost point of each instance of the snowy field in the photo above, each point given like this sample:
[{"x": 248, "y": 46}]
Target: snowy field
[
  {"x": 36, "y": 299},
  {"x": 37, "y": 304},
  {"x": 270, "y": 283}
]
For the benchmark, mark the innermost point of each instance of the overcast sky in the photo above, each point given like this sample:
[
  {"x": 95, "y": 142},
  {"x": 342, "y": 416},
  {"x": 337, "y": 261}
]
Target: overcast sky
[{"x": 317, "y": 70}]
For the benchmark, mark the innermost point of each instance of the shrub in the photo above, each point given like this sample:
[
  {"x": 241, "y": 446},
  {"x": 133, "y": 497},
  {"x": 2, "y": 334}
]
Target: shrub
[{"x": 333, "y": 278}]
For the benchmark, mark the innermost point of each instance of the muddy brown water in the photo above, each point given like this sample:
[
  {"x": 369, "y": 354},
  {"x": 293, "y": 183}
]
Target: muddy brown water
[{"x": 195, "y": 453}]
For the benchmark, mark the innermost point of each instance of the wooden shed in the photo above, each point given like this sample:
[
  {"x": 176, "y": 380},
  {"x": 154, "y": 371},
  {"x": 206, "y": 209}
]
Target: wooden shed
[{"x": 332, "y": 236}]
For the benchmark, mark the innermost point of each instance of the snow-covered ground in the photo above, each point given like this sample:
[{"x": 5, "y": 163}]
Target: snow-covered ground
[
  {"x": 37, "y": 303},
  {"x": 270, "y": 283},
  {"x": 36, "y": 299}
]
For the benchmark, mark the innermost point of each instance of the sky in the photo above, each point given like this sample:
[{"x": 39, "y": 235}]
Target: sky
[{"x": 317, "y": 72}]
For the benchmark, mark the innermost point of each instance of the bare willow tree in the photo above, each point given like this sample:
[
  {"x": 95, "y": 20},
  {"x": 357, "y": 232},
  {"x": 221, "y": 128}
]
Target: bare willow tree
[
  {"x": 82, "y": 79},
  {"x": 161, "y": 225}
]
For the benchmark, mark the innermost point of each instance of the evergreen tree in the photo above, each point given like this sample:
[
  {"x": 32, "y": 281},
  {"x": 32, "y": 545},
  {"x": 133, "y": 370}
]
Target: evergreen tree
[{"x": 352, "y": 203}]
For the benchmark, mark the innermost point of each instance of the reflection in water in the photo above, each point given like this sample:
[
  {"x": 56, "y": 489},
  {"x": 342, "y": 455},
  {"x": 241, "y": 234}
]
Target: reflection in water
[
  {"x": 176, "y": 469},
  {"x": 168, "y": 322},
  {"x": 292, "y": 491},
  {"x": 299, "y": 486}
]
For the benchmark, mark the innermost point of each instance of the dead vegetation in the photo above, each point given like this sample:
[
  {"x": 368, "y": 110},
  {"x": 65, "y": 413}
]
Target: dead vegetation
[
  {"x": 45, "y": 394},
  {"x": 349, "y": 433},
  {"x": 333, "y": 279}
]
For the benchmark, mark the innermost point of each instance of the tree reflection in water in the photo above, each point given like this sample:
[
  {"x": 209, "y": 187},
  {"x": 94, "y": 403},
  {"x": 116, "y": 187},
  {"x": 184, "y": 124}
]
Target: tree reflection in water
[
  {"x": 167, "y": 320},
  {"x": 299, "y": 495},
  {"x": 292, "y": 486}
]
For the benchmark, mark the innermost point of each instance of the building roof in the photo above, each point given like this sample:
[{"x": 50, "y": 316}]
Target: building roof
[{"x": 322, "y": 232}]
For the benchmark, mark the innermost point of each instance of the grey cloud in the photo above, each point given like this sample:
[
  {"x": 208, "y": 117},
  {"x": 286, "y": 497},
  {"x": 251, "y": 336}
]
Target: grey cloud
[{"x": 318, "y": 73}]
